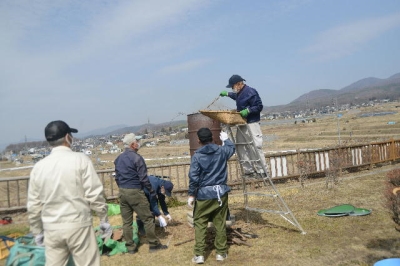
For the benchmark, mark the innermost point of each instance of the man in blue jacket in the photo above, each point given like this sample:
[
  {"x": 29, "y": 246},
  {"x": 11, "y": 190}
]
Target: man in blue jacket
[
  {"x": 208, "y": 192},
  {"x": 162, "y": 187},
  {"x": 249, "y": 104}
]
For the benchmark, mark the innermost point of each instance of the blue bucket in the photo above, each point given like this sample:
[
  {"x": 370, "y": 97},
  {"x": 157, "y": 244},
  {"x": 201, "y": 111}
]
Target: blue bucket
[{"x": 388, "y": 262}]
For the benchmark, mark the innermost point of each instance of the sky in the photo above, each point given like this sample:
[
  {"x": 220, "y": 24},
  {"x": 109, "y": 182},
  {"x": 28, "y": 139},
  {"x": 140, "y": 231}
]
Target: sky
[{"x": 99, "y": 63}]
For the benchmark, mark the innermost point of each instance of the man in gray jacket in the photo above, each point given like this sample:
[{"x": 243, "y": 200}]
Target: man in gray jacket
[
  {"x": 64, "y": 189},
  {"x": 208, "y": 192}
]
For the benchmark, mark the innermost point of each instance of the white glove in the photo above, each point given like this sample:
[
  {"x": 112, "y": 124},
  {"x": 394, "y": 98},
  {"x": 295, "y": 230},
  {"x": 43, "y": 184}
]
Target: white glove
[
  {"x": 169, "y": 217},
  {"x": 162, "y": 221},
  {"x": 190, "y": 201},
  {"x": 223, "y": 136},
  {"x": 39, "y": 239},
  {"x": 106, "y": 228}
]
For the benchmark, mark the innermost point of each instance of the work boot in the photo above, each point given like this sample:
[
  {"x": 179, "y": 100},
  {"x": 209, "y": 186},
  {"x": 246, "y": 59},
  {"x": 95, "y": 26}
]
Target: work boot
[
  {"x": 157, "y": 248},
  {"x": 221, "y": 257},
  {"x": 198, "y": 259}
]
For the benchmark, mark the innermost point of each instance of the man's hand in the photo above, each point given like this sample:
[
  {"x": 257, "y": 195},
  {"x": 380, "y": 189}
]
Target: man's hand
[
  {"x": 244, "y": 112},
  {"x": 39, "y": 238},
  {"x": 223, "y": 136},
  {"x": 223, "y": 93},
  {"x": 190, "y": 201},
  {"x": 169, "y": 217},
  {"x": 162, "y": 221}
]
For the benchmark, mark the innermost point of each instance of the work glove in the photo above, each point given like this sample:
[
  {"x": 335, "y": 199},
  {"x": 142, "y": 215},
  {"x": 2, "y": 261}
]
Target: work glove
[
  {"x": 39, "y": 238},
  {"x": 169, "y": 217},
  {"x": 190, "y": 201},
  {"x": 162, "y": 221},
  {"x": 223, "y": 93},
  {"x": 106, "y": 228},
  {"x": 244, "y": 112},
  {"x": 223, "y": 136}
]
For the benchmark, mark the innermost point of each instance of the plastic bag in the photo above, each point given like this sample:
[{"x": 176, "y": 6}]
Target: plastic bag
[
  {"x": 26, "y": 253},
  {"x": 113, "y": 209}
]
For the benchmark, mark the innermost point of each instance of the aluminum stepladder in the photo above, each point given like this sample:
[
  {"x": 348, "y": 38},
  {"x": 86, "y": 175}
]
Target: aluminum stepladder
[{"x": 247, "y": 153}]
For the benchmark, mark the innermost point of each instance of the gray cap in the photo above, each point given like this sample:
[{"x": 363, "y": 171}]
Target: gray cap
[{"x": 129, "y": 139}]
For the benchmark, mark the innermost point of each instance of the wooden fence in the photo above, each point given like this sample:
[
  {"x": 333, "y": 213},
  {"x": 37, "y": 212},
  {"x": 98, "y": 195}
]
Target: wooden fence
[{"x": 284, "y": 165}]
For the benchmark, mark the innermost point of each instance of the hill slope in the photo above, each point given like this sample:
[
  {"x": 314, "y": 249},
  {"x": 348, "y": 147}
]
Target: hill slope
[{"x": 361, "y": 91}]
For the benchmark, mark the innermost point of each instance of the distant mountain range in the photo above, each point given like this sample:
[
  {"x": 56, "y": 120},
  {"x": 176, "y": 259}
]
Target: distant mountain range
[
  {"x": 141, "y": 129},
  {"x": 358, "y": 92}
]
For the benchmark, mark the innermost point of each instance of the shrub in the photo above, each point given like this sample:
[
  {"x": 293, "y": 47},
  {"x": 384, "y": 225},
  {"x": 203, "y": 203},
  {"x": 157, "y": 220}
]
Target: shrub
[{"x": 392, "y": 195}]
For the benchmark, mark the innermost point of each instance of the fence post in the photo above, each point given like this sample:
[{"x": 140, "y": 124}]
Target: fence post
[
  {"x": 370, "y": 156},
  {"x": 392, "y": 150}
]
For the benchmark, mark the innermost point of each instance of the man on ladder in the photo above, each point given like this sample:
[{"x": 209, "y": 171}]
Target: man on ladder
[
  {"x": 249, "y": 151},
  {"x": 249, "y": 104}
]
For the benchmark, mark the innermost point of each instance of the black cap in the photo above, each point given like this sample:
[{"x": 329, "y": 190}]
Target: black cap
[
  {"x": 57, "y": 129},
  {"x": 204, "y": 134},
  {"x": 234, "y": 79}
]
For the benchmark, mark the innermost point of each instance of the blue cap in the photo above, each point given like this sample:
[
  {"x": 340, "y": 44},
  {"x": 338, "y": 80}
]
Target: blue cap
[{"x": 233, "y": 80}]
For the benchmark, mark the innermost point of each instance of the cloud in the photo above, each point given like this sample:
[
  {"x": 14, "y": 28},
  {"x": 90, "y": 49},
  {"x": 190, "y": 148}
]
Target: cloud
[
  {"x": 185, "y": 66},
  {"x": 57, "y": 44},
  {"x": 344, "y": 40}
]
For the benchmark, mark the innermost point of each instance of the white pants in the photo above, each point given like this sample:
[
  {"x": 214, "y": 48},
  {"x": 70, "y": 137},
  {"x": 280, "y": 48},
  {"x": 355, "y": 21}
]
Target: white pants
[
  {"x": 80, "y": 243},
  {"x": 244, "y": 134}
]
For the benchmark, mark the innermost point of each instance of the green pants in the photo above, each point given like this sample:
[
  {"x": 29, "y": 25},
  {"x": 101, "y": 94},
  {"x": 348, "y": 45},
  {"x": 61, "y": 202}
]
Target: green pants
[
  {"x": 134, "y": 200},
  {"x": 209, "y": 210}
]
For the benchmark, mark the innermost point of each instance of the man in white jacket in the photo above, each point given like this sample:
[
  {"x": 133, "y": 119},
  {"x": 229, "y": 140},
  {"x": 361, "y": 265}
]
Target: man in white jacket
[{"x": 64, "y": 189}]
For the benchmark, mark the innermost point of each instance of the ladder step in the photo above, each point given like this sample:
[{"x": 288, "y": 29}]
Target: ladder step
[
  {"x": 260, "y": 194},
  {"x": 268, "y": 211},
  {"x": 256, "y": 160},
  {"x": 244, "y": 143}
]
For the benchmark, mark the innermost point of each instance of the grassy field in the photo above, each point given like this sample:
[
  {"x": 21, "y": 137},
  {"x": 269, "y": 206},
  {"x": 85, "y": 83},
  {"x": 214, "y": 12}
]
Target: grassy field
[{"x": 347, "y": 240}]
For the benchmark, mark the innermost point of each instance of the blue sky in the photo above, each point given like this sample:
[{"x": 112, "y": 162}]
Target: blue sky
[{"x": 96, "y": 64}]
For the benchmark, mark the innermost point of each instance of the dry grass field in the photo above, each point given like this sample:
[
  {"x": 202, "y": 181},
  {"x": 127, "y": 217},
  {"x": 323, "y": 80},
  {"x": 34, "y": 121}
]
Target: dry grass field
[{"x": 348, "y": 240}]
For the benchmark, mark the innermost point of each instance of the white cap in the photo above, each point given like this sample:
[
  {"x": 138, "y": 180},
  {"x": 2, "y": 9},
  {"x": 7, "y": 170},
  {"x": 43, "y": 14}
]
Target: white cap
[{"x": 129, "y": 139}]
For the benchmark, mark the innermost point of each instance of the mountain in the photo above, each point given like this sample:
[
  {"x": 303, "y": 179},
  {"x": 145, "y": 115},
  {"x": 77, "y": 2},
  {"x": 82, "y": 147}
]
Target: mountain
[
  {"x": 99, "y": 131},
  {"x": 361, "y": 91},
  {"x": 141, "y": 129}
]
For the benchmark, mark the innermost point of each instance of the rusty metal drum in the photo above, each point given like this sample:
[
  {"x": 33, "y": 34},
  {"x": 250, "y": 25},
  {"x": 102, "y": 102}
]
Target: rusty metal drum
[{"x": 197, "y": 121}]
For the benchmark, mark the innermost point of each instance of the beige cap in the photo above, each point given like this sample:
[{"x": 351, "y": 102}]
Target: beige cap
[{"x": 129, "y": 139}]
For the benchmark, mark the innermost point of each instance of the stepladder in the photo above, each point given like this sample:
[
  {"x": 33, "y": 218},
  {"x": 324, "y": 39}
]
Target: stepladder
[{"x": 254, "y": 167}]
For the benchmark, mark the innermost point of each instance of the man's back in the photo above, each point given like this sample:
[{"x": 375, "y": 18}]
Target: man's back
[{"x": 65, "y": 181}]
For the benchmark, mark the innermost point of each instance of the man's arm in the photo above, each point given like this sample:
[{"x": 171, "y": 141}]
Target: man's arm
[
  {"x": 154, "y": 205},
  {"x": 232, "y": 95},
  {"x": 256, "y": 105},
  {"x": 94, "y": 193},
  {"x": 142, "y": 173},
  {"x": 163, "y": 204},
  {"x": 34, "y": 206},
  {"x": 229, "y": 148},
  {"x": 194, "y": 174}
]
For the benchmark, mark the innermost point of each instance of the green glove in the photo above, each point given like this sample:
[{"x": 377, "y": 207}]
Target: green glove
[
  {"x": 244, "y": 112},
  {"x": 223, "y": 93}
]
